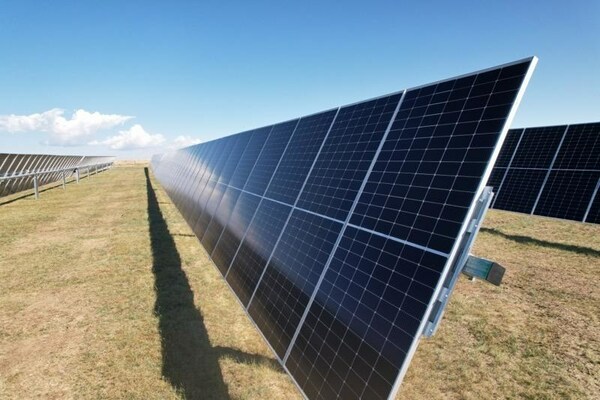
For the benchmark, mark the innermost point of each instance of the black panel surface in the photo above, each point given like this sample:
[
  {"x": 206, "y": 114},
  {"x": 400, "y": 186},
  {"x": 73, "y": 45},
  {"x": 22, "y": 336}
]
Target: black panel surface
[
  {"x": 234, "y": 157},
  {"x": 365, "y": 317},
  {"x": 249, "y": 157},
  {"x": 508, "y": 148},
  {"x": 232, "y": 235},
  {"x": 299, "y": 157},
  {"x": 291, "y": 277},
  {"x": 432, "y": 162},
  {"x": 269, "y": 158},
  {"x": 581, "y": 148},
  {"x": 254, "y": 252},
  {"x": 567, "y": 194},
  {"x": 520, "y": 190},
  {"x": 219, "y": 219},
  {"x": 210, "y": 209},
  {"x": 538, "y": 147},
  {"x": 496, "y": 178},
  {"x": 346, "y": 156}
]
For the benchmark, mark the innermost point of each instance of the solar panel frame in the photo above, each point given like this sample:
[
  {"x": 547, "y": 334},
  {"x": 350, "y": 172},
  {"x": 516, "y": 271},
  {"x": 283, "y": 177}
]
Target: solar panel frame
[
  {"x": 452, "y": 255},
  {"x": 592, "y": 213}
]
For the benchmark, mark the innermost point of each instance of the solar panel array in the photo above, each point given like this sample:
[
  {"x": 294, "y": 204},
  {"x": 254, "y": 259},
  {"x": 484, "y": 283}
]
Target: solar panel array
[
  {"x": 17, "y": 170},
  {"x": 336, "y": 230},
  {"x": 552, "y": 171}
]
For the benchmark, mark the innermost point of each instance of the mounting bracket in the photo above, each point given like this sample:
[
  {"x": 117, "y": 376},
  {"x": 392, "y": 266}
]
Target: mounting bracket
[{"x": 471, "y": 266}]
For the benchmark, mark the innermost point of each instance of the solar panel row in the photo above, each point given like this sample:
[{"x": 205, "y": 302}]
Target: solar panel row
[
  {"x": 336, "y": 230},
  {"x": 552, "y": 171},
  {"x": 17, "y": 170}
]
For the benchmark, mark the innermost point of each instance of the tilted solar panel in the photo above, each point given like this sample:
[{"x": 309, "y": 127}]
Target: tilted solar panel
[
  {"x": 337, "y": 231},
  {"x": 20, "y": 172},
  {"x": 551, "y": 171}
]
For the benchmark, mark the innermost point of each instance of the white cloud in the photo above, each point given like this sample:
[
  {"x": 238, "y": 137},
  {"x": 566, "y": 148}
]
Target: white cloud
[
  {"x": 133, "y": 138},
  {"x": 183, "y": 141},
  {"x": 62, "y": 131}
]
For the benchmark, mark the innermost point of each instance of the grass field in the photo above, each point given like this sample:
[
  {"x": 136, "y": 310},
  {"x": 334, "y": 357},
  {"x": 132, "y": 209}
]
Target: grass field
[{"x": 105, "y": 293}]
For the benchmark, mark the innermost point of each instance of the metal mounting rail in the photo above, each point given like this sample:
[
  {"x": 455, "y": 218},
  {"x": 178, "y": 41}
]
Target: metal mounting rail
[{"x": 460, "y": 262}]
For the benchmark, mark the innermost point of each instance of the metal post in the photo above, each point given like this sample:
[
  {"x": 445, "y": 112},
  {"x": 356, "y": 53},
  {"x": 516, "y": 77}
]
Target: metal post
[
  {"x": 77, "y": 175},
  {"x": 64, "y": 179},
  {"x": 35, "y": 187},
  {"x": 87, "y": 172}
]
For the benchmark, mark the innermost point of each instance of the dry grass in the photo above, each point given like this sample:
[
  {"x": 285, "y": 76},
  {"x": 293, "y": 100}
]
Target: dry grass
[{"x": 104, "y": 293}]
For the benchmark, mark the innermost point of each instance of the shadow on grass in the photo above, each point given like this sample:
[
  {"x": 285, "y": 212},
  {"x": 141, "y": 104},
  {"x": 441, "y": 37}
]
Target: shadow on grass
[
  {"x": 190, "y": 362},
  {"x": 543, "y": 243}
]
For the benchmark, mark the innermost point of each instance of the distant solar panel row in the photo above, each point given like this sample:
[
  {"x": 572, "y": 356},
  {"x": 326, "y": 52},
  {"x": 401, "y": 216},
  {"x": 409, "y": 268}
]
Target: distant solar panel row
[
  {"x": 336, "y": 230},
  {"x": 552, "y": 171},
  {"x": 17, "y": 170}
]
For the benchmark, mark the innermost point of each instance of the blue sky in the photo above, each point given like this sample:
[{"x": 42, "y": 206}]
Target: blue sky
[{"x": 148, "y": 75}]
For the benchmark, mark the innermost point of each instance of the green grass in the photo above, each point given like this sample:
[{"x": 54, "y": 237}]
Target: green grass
[{"x": 105, "y": 293}]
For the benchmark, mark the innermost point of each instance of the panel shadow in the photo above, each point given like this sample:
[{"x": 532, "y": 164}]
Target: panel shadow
[
  {"x": 190, "y": 362},
  {"x": 543, "y": 243}
]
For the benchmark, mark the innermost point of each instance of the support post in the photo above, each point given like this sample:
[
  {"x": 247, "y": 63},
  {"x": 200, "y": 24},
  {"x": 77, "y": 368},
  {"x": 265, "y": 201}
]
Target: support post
[
  {"x": 64, "y": 179},
  {"x": 36, "y": 188},
  {"x": 77, "y": 175}
]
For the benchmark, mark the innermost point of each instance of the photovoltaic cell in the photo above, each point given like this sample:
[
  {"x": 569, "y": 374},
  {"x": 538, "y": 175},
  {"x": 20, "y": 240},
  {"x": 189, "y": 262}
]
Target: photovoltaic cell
[
  {"x": 269, "y": 158},
  {"x": 432, "y": 162},
  {"x": 520, "y": 190},
  {"x": 365, "y": 316},
  {"x": 210, "y": 209},
  {"x": 581, "y": 148},
  {"x": 341, "y": 255},
  {"x": 346, "y": 156},
  {"x": 236, "y": 227},
  {"x": 508, "y": 148},
  {"x": 249, "y": 157},
  {"x": 538, "y": 147},
  {"x": 291, "y": 277},
  {"x": 567, "y": 194},
  {"x": 253, "y": 254},
  {"x": 235, "y": 156},
  {"x": 220, "y": 218},
  {"x": 496, "y": 178},
  {"x": 299, "y": 157}
]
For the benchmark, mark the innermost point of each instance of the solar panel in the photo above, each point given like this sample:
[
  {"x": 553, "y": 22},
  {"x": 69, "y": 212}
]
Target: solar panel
[
  {"x": 551, "y": 171},
  {"x": 508, "y": 148},
  {"x": 581, "y": 148},
  {"x": 20, "y": 172},
  {"x": 519, "y": 190},
  {"x": 538, "y": 147},
  {"x": 234, "y": 231},
  {"x": 567, "y": 194},
  {"x": 265, "y": 165},
  {"x": 345, "y": 157},
  {"x": 219, "y": 219},
  {"x": 299, "y": 157},
  {"x": 291, "y": 276},
  {"x": 337, "y": 231},
  {"x": 252, "y": 255}
]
